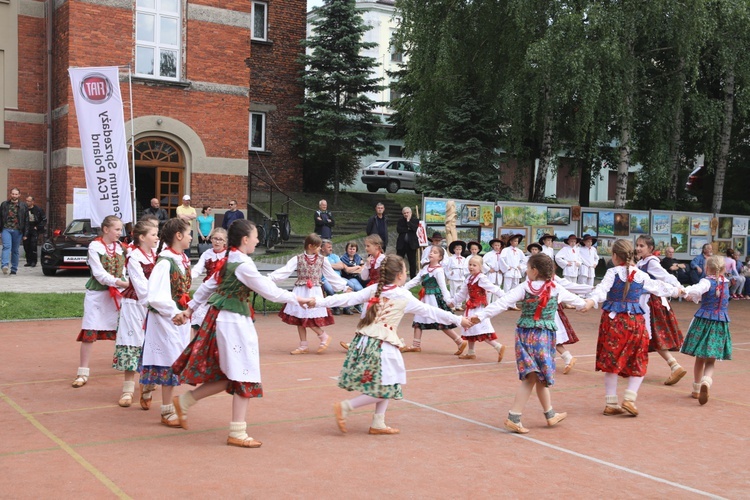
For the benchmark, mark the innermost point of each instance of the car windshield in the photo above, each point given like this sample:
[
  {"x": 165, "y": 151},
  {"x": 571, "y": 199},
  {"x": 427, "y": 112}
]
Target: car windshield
[
  {"x": 79, "y": 227},
  {"x": 377, "y": 164}
]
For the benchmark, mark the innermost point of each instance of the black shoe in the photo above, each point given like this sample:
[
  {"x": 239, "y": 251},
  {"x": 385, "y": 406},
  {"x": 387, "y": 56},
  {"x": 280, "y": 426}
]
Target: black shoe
[
  {"x": 347, "y": 311},
  {"x": 33, "y": 265},
  {"x": 28, "y": 265},
  {"x": 336, "y": 311},
  {"x": 12, "y": 273}
]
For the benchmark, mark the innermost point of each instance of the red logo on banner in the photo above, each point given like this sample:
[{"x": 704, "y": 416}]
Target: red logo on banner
[{"x": 96, "y": 88}]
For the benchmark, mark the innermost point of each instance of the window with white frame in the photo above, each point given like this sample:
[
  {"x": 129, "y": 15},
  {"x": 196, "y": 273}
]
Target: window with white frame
[
  {"x": 257, "y": 131},
  {"x": 157, "y": 38},
  {"x": 260, "y": 21}
]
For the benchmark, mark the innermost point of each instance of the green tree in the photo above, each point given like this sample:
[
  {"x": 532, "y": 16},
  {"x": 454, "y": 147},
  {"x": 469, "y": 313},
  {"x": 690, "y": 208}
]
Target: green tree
[{"x": 338, "y": 125}]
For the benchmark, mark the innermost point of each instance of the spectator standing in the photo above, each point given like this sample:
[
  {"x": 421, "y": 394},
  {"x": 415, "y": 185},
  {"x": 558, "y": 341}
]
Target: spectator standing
[
  {"x": 324, "y": 220},
  {"x": 13, "y": 213},
  {"x": 407, "y": 242},
  {"x": 158, "y": 212},
  {"x": 205, "y": 224},
  {"x": 698, "y": 264},
  {"x": 189, "y": 215},
  {"x": 674, "y": 267},
  {"x": 378, "y": 224},
  {"x": 231, "y": 215},
  {"x": 34, "y": 227}
]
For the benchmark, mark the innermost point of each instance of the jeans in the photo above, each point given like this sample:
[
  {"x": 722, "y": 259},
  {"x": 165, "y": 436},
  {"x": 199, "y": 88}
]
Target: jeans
[{"x": 11, "y": 242}]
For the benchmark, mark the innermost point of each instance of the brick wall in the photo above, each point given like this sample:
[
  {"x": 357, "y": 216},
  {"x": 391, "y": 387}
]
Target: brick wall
[{"x": 29, "y": 182}]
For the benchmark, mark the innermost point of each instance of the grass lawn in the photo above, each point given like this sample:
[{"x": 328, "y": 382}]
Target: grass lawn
[{"x": 15, "y": 306}]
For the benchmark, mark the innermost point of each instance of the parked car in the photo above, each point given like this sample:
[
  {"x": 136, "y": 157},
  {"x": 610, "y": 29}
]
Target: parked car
[
  {"x": 391, "y": 174},
  {"x": 68, "y": 249},
  {"x": 695, "y": 179}
]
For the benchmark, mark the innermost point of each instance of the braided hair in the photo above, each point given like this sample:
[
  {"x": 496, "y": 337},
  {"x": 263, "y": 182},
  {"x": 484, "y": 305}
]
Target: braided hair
[
  {"x": 623, "y": 249},
  {"x": 390, "y": 268}
]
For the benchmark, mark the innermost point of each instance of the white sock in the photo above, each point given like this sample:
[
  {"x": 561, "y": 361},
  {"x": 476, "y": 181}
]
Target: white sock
[
  {"x": 378, "y": 421},
  {"x": 238, "y": 430},
  {"x": 167, "y": 410},
  {"x": 83, "y": 371},
  {"x": 128, "y": 386},
  {"x": 612, "y": 400},
  {"x": 630, "y": 395},
  {"x": 186, "y": 401},
  {"x": 610, "y": 384},
  {"x": 346, "y": 407},
  {"x": 566, "y": 356}
]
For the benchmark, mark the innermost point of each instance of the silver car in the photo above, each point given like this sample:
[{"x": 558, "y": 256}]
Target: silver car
[{"x": 391, "y": 174}]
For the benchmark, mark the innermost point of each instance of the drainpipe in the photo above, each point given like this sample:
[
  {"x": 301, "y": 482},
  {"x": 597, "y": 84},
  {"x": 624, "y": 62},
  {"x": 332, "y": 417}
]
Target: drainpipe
[{"x": 48, "y": 152}]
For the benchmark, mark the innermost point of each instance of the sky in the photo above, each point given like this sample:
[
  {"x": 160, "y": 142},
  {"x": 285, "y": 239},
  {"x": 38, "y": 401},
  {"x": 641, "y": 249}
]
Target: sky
[{"x": 313, "y": 3}]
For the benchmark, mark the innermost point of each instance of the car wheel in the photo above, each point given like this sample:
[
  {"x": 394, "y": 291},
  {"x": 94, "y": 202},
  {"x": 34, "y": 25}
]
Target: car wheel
[
  {"x": 49, "y": 271},
  {"x": 392, "y": 187},
  {"x": 372, "y": 188}
]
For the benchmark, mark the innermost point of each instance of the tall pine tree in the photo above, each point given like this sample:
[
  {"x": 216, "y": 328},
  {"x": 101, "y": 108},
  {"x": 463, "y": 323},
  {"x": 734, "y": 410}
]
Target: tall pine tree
[{"x": 338, "y": 125}]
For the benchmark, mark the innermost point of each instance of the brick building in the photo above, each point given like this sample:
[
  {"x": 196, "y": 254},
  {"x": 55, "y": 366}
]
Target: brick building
[{"x": 213, "y": 85}]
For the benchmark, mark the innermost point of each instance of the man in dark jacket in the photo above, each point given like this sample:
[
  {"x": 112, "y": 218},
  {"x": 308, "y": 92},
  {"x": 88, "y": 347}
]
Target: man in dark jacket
[
  {"x": 324, "y": 221},
  {"x": 157, "y": 212},
  {"x": 34, "y": 227},
  {"x": 407, "y": 242},
  {"x": 231, "y": 215},
  {"x": 13, "y": 214},
  {"x": 378, "y": 224}
]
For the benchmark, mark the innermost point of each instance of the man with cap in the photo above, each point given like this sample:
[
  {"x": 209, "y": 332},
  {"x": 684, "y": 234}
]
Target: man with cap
[
  {"x": 546, "y": 244},
  {"x": 589, "y": 260},
  {"x": 569, "y": 258},
  {"x": 515, "y": 262},
  {"x": 436, "y": 241},
  {"x": 187, "y": 213},
  {"x": 494, "y": 265},
  {"x": 457, "y": 267}
]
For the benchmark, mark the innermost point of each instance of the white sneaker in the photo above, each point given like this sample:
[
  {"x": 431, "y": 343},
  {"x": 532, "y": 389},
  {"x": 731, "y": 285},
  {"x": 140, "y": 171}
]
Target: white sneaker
[{"x": 6, "y": 270}]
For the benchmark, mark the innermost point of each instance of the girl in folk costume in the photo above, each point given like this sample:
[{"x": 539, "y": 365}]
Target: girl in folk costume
[
  {"x": 223, "y": 356},
  {"x": 207, "y": 263},
  {"x": 371, "y": 270},
  {"x": 102, "y": 300},
  {"x": 546, "y": 244},
  {"x": 474, "y": 292},
  {"x": 569, "y": 258},
  {"x": 708, "y": 337},
  {"x": 130, "y": 334},
  {"x": 457, "y": 267},
  {"x": 589, "y": 260},
  {"x": 435, "y": 241},
  {"x": 622, "y": 347},
  {"x": 167, "y": 329},
  {"x": 535, "y": 336},
  {"x": 564, "y": 333},
  {"x": 373, "y": 364},
  {"x": 494, "y": 265},
  {"x": 310, "y": 267},
  {"x": 661, "y": 323},
  {"x": 434, "y": 293},
  {"x": 514, "y": 262}
]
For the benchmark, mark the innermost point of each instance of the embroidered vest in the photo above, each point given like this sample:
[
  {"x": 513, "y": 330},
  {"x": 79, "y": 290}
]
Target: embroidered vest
[
  {"x": 430, "y": 287},
  {"x": 528, "y": 309},
  {"x": 232, "y": 295},
  {"x": 113, "y": 265},
  {"x": 210, "y": 266},
  {"x": 179, "y": 283},
  {"x": 309, "y": 273},
  {"x": 129, "y": 292},
  {"x": 477, "y": 296},
  {"x": 713, "y": 307},
  {"x": 628, "y": 304}
]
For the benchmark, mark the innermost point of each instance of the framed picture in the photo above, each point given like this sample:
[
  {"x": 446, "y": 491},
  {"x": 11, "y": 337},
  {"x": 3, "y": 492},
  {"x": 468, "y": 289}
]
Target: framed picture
[
  {"x": 469, "y": 214},
  {"x": 739, "y": 226},
  {"x": 487, "y": 216},
  {"x": 435, "y": 228},
  {"x": 534, "y": 216},
  {"x": 590, "y": 223},
  {"x": 434, "y": 211},
  {"x": 639, "y": 223},
  {"x": 513, "y": 216},
  {"x": 485, "y": 235},
  {"x": 700, "y": 225},
  {"x": 468, "y": 234},
  {"x": 696, "y": 245},
  {"x": 721, "y": 246},
  {"x": 499, "y": 215},
  {"x": 660, "y": 224},
  {"x": 679, "y": 242},
  {"x": 606, "y": 223},
  {"x": 661, "y": 242},
  {"x": 739, "y": 245},
  {"x": 680, "y": 225},
  {"x": 622, "y": 224},
  {"x": 507, "y": 231},
  {"x": 725, "y": 227},
  {"x": 558, "y": 216},
  {"x": 575, "y": 213},
  {"x": 538, "y": 231},
  {"x": 604, "y": 246}
]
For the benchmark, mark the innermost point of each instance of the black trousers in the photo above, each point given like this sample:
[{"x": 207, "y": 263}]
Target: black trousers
[
  {"x": 30, "y": 247},
  {"x": 410, "y": 254}
]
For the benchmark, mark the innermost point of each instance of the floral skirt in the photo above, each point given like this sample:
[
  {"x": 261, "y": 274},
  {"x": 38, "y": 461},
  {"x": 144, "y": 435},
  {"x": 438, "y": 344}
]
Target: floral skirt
[
  {"x": 94, "y": 335},
  {"x": 482, "y": 337},
  {"x": 306, "y": 322},
  {"x": 535, "y": 353},
  {"x": 622, "y": 346},
  {"x": 707, "y": 338},
  {"x": 127, "y": 358},
  {"x": 199, "y": 362},
  {"x": 158, "y": 375},
  {"x": 665, "y": 333},
  {"x": 362, "y": 370},
  {"x": 572, "y": 337}
]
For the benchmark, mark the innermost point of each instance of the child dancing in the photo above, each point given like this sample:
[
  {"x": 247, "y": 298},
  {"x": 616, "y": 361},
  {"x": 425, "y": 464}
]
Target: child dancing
[
  {"x": 223, "y": 356},
  {"x": 622, "y": 346},
  {"x": 207, "y": 263},
  {"x": 371, "y": 270},
  {"x": 373, "y": 364},
  {"x": 708, "y": 337},
  {"x": 435, "y": 294},
  {"x": 101, "y": 303},
  {"x": 310, "y": 267},
  {"x": 535, "y": 336}
]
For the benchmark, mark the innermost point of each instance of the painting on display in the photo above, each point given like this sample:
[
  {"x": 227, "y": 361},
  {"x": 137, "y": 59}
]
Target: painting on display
[
  {"x": 485, "y": 235},
  {"x": 622, "y": 224},
  {"x": 639, "y": 223},
  {"x": 539, "y": 231},
  {"x": 575, "y": 213},
  {"x": 558, "y": 216},
  {"x": 499, "y": 215},
  {"x": 467, "y": 234},
  {"x": 505, "y": 232},
  {"x": 700, "y": 225},
  {"x": 606, "y": 223},
  {"x": 590, "y": 223},
  {"x": 434, "y": 211},
  {"x": 725, "y": 227},
  {"x": 469, "y": 214},
  {"x": 534, "y": 216},
  {"x": 679, "y": 242},
  {"x": 435, "y": 228},
  {"x": 721, "y": 246},
  {"x": 739, "y": 226},
  {"x": 680, "y": 225},
  {"x": 739, "y": 245},
  {"x": 604, "y": 246},
  {"x": 696, "y": 245},
  {"x": 661, "y": 242},
  {"x": 487, "y": 216},
  {"x": 513, "y": 216},
  {"x": 660, "y": 224}
]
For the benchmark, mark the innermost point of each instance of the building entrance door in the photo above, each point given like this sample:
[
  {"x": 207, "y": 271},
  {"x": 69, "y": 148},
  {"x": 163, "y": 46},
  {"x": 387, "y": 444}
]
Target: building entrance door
[{"x": 159, "y": 171}]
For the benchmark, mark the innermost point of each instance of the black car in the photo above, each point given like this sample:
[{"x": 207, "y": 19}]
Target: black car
[{"x": 68, "y": 249}]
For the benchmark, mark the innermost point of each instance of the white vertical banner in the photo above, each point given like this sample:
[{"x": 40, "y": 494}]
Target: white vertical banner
[{"x": 101, "y": 125}]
